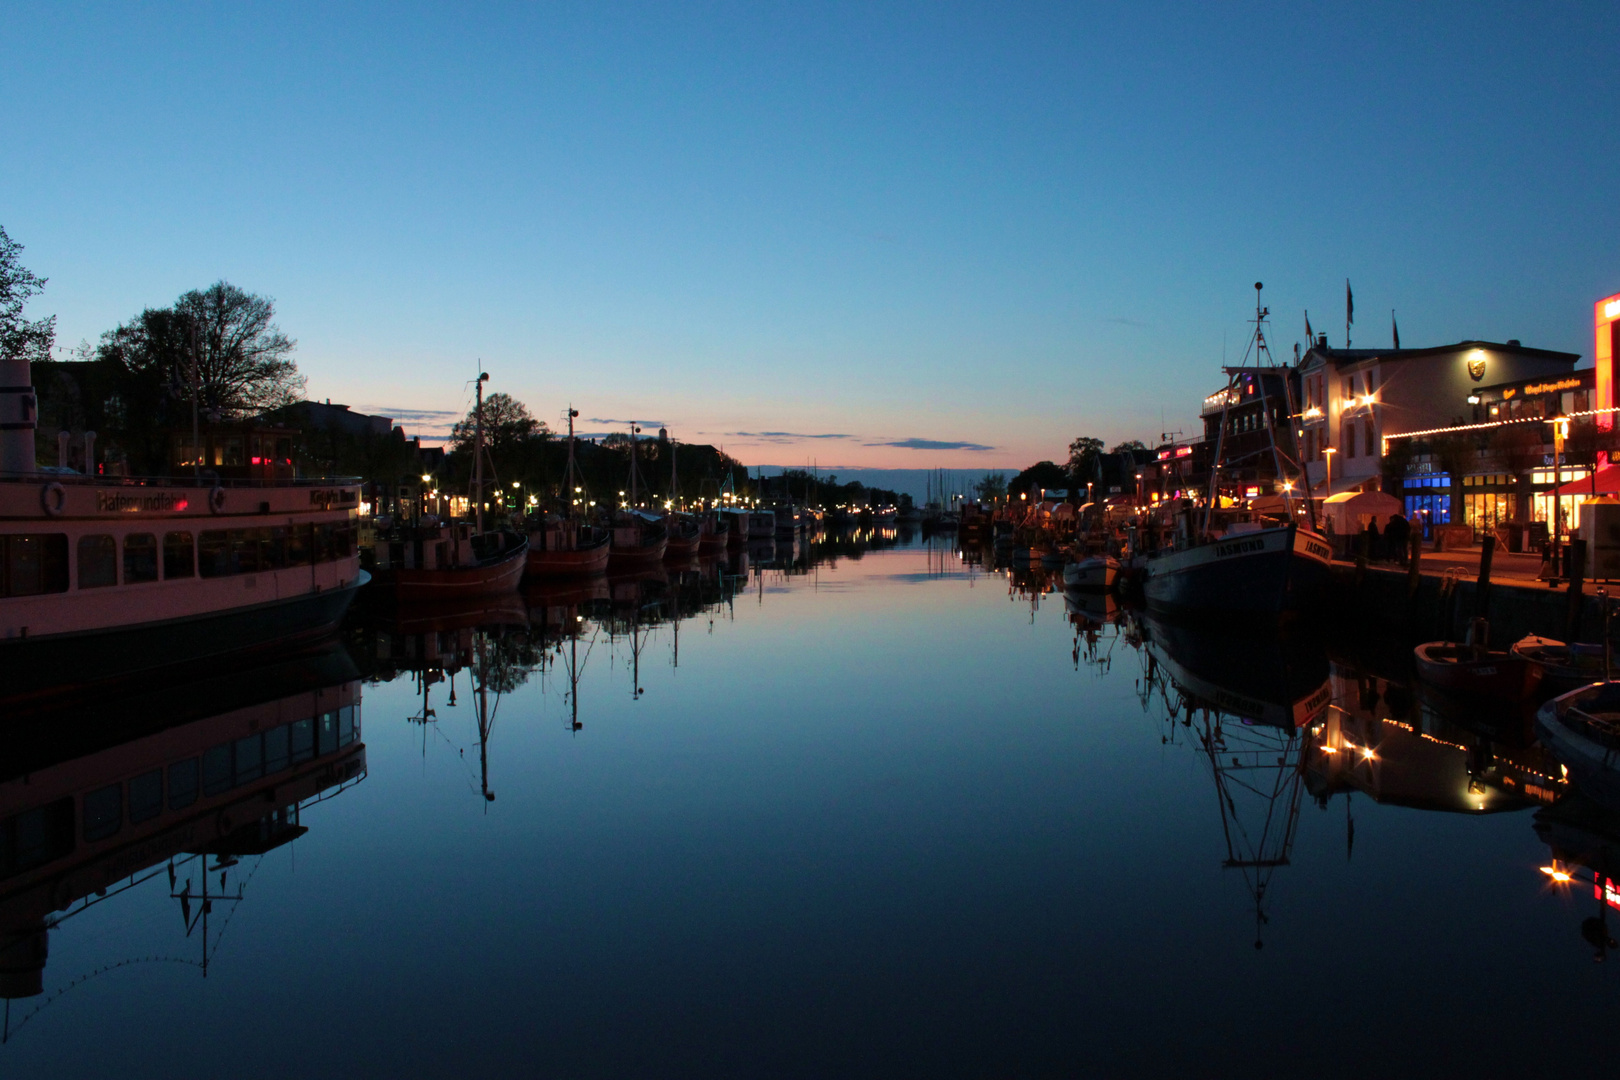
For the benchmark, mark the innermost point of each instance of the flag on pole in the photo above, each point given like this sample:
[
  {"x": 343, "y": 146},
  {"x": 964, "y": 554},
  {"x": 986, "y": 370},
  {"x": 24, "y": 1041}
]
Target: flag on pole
[
  {"x": 1310, "y": 337},
  {"x": 1349, "y": 304},
  {"x": 1395, "y": 328}
]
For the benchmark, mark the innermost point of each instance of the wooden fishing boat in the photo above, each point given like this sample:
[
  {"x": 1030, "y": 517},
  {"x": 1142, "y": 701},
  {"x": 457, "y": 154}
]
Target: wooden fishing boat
[
  {"x": 1474, "y": 672},
  {"x": 761, "y": 525},
  {"x": 1095, "y": 574},
  {"x": 639, "y": 540},
  {"x": 562, "y": 548},
  {"x": 1564, "y": 666},
  {"x": 737, "y": 527},
  {"x": 685, "y": 534},
  {"x": 714, "y": 532},
  {"x": 1581, "y": 729},
  {"x": 440, "y": 561}
]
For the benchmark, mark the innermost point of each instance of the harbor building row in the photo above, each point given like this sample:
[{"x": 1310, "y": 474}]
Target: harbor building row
[{"x": 1477, "y": 432}]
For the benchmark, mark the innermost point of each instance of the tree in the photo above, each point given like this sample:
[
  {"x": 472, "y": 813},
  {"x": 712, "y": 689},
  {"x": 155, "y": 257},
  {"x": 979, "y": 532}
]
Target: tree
[
  {"x": 1129, "y": 446},
  {"x": 222, "y": 337},
  {"x": 991, "y": 486},
  {"x": 21, "y": 338},
  {"x": 1043, "y": 474},
  {"x": 508, "y": 427},
  {"x": 1085, "y": 456}
]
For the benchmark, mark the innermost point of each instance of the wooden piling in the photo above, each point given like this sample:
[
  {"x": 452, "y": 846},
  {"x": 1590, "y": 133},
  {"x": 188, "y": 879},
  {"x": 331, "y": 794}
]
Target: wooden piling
[
  {"x": 1414, "y": 569},
  {"x": 1482, "y": 585},
  {"x": 1577, "y": 573}
]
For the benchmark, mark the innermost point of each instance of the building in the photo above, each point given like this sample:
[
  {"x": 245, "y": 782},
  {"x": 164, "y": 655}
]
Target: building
[
  {"x": 1354, "y": 400},
  {"x": 1257, "y": 409}
]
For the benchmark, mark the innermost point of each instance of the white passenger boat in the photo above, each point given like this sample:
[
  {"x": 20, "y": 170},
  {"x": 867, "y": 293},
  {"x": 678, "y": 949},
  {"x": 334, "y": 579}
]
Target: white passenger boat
[
  {"x": 102, "y": 578},
  {"x": 1094, "y": 574}
]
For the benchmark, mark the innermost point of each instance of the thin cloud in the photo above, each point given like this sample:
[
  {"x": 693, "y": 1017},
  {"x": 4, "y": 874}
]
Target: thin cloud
[
  {"x": 625, "y": 423},
  {"x": 782, "y": 436},
  {"x": 416, "y": 416},
  {"x": 1128, "y": 322},
  {"x": 932, "y": 444}
]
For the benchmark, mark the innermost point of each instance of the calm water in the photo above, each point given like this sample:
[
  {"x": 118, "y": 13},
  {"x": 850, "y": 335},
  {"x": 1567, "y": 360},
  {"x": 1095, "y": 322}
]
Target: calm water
[{"x": 889, "y": 815}]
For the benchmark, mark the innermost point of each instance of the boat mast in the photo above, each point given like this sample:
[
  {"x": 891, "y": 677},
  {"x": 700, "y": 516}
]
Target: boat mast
[
  {"x": 674, "y": 484},
  {"x": 635, "y": 491},
  {"x": 571, "y": 476},
  {"x": 1260, "y": 347},
  {"x": 478, "y": 453}
]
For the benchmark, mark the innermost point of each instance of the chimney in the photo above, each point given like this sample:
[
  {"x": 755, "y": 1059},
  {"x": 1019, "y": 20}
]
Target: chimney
[
  {"x": 1321, "y": 341},
  {"x": 18, "y": 409}
]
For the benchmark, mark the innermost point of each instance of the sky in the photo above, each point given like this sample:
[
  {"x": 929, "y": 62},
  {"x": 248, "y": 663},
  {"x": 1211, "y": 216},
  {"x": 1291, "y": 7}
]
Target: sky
[{"x": 892, "y": 236}]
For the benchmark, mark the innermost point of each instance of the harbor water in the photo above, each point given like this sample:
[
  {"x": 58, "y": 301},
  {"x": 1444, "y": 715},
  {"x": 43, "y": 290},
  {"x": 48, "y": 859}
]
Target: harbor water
[{"x": 872, "y": 809}]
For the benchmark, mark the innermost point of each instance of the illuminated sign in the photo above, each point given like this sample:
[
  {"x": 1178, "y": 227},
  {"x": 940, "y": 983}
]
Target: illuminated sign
[
  {"x": 1607, "y": 892},
  {"x": 160, "y": 502},
  {"x": 1605, "y": 313},
  {"x": 1548, "y": 387},
  {"x": 1611, "y": 308},
  {"x": 1179, "y": 451},
  {"x": 1509, "y": 392}
]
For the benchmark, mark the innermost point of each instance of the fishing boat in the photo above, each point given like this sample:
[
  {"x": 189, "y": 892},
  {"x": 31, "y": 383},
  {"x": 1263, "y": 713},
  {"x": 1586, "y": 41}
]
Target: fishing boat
[
  {"x": 1564, "y": 666},
  {"x": 761, "y": 525},
  {"x": 1242, "y": 563},
  {"x": 108, "y": 578},
  {"x": 1094, "y": 574},
  {"x": 714, "y": 534},
  {"x": 639, "y": 541},
  {"x": 685, "y": 534},
  {"x": 737, "y": 526},
  {"x": 436, "y": 561},
  {"x": 1475, "y": 672},
  {"x": 1581, "y": 728},
  {"x": 562, "y": 548}
]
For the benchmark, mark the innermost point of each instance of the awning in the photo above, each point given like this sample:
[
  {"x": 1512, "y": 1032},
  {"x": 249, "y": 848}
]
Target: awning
[{"x": 1606, "y": 482}]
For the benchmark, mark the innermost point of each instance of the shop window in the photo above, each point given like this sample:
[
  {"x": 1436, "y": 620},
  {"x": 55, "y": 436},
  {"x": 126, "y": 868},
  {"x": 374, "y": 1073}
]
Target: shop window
[
  {"x": 98, "y": 561},
  {"x": 140, "y": 558}
]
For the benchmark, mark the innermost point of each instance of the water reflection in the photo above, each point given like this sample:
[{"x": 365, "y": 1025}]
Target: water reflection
[{"x": 186, "y": 785}]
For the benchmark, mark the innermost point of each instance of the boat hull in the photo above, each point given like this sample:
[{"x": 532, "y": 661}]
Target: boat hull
[
  {"x": 642, "y": 557},
  {"x": 1091, "y": 575},
  {"x": 1270, "y": 573},
  {"x": 62, "y": 666},
  {"x": 460, "y": 582},
  {"x": 1498, "y": 677},
  {"x": 581, "y": 562}
]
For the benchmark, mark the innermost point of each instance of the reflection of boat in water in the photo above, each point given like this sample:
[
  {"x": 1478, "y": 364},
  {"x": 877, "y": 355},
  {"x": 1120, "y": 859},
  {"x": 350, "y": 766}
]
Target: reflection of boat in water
[
  {"x": 1580, "y": 831},
  {"x": 1091, "y": 608},
  {"x": 1272, "y": 678},
  {"x": 91, "y": 799}
]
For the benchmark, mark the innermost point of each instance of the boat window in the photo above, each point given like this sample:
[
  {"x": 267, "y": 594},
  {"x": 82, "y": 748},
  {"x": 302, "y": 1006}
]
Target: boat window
[
  {"x": 326, "y": 734},
  {"x": 36, "y": 837},
  {"x": 244, "y": 551},
  {"x": 98, "y": 561},
  {"x": 230, "y": 452},
  {"x": 275, "y": 749},
  {"x": 302, "y": 739},
  {"x": 216, "y": 770},
  {"x": 300, "y": 545},
  {"x": 249, "y": 758},
  {"x": 214, "y": 554},
  {"x": 33, "y": 564},
  {"x": 140, "y": 558},
  {"x": 146, "y": 796},
  {"x": 178, "y": 559},
  {"x": 273, "y": 549},
  {"x": 346, "y": 725},
  {"x": 182, "y": 783},
  {"x": 103, "y": 812}
]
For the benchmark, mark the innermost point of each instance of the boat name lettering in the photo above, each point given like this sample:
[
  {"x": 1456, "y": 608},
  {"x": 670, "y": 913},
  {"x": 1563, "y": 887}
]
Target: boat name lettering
[
  {"x": 326, "y": 498},
  {"x": 1321, "y": 550},
  {"x": 1239, "y": 547},
  {"x": 119, "y": 502},
  {"x": 1314, "y": 704}
]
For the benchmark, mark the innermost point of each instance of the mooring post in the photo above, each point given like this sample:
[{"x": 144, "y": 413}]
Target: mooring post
[
  {"x": 1482, "y": 585},
  {"x": 1577, "y": 572},
  {"x": 1414, "y": 569}
]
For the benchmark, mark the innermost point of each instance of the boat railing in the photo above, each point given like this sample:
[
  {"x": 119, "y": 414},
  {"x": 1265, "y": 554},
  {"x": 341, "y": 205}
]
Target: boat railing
[{"x": 69, "y": 479}]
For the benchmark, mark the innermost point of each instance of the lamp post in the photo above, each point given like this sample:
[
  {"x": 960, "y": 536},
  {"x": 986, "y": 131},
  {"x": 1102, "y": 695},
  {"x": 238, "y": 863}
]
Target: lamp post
[
  {"x": 1560, "y": 426},
  {"x": 1328, "y": 452}
]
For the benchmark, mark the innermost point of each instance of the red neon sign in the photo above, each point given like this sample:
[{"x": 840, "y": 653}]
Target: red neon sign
[
  {"x": 1605, "y": 890},
  {"x": 1605, "y": 314}
]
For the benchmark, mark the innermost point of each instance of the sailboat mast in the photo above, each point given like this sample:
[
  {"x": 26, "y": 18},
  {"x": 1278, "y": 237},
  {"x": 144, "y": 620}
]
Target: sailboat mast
[
  {"x": 635, "y": 491},
  {"x": 478, "y": 453},
  {"x": 570, "y": 483}
]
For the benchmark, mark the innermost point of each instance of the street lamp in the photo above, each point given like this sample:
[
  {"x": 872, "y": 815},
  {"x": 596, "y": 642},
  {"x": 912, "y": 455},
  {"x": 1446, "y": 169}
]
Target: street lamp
[{"x": 1328, "y": 452}]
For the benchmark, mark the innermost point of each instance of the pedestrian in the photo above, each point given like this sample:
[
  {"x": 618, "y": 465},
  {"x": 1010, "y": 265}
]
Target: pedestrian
[
  {"x": 1373, "y": 545},
  {"x": 1397, "y": 537}
]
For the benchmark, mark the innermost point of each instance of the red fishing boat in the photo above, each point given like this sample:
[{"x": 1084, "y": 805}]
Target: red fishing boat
[
  {"x": 639, "y": 541},
  {"x": 1473, "y": 671},
  {"x": 443, "y": 562},
  {"x": 561, "y": 548},
  {"x": 685, "y": 536}
]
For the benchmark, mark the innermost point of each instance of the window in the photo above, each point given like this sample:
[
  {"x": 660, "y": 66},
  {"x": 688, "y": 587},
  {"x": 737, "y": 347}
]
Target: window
[
  {"x": 33, "y": 564},
  {"x": 178, "y": 559},
  {"x": 1372, "y": 381},
  {"x": 346, "y": 725},
  {"x": 98, "y": 561},
  {"x": 249, "y": 759},
  {"x": 216, "y": 770},
  {"x": 275, "y": 750},
  {"x": 140, "y": 558},
  {"x": 1349, "y": 386},
  {"x": 303, "y": 739},
  {"x": 229, "y": 452},
  {"x": 213, "y": 554},
  {"x": 146, "y": 796},
  {"x": 326, "y": 734},
  {"x": 273, "y": 548},
  {"x": 1349, "y": 439},
  {"x": 183, "y": 784},
  {"x": 244, "y": 551},
  {"x": 300, "y": 545},
  {"x": 103, "y": 812},
  {"x": 1371, "y": 437},
  {"x": 36, "y": 837}
]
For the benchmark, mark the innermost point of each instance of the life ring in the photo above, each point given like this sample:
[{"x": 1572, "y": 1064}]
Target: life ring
[
  {"x": 216, "y": 500},
  {"x": 53, "y": 497}
]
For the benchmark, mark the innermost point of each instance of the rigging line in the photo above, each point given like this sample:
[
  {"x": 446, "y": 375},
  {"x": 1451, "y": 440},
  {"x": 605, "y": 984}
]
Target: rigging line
[
  {"x": 86, "y": 977},
  {"x": 241, "y": 886}
]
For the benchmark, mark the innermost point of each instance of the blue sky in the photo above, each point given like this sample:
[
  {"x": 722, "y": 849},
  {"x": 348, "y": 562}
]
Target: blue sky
[{"x": 929, "y": 235}]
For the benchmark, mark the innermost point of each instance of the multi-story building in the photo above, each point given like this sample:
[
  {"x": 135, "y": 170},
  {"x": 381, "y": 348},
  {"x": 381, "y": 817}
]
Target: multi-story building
[
  {"x": 1353, "y": 400},
  {"x": 1256, "y": 410}
]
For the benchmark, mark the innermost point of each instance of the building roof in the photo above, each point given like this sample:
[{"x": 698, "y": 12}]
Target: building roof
[{"x": 1345, "y": 357}]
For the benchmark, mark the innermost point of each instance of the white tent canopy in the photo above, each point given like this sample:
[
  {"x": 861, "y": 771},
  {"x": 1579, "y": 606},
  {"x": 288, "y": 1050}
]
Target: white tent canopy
[{"x": 1350, "y": 511}]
